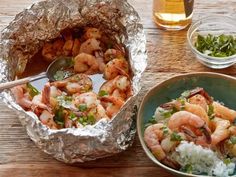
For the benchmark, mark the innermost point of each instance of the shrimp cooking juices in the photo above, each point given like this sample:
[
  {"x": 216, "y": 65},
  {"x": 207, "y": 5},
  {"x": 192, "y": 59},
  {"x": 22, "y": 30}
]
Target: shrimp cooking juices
[{"x": 97, "y": 87}]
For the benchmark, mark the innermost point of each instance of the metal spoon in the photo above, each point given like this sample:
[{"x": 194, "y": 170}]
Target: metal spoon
[{"x": 58, "y": 64}]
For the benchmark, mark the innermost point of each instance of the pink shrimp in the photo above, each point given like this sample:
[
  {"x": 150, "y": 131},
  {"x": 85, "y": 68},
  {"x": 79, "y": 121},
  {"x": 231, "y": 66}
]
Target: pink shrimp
[
  {"x": 112, "y": 105},
  {"x": 119, "y": 87},
  {"x": 183, "y": 119},
  {"x": 221, "y": 131},
  {"x": 21, "y": 97},
  {"x": 116, "y": 67},
  {"x": 153, "y": 136},
  {"x": 224, "y": 112}
]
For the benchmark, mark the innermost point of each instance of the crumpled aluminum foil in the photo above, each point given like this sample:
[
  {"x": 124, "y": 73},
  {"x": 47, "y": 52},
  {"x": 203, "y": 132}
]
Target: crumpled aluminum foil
[{"x": 42, "y": 22}]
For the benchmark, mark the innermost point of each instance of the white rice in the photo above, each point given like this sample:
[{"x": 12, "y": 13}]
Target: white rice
[{"x": 202, "y": 160}]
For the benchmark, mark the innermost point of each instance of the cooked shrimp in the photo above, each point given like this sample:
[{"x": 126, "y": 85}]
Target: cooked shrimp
[
  {"x": 89, "y": 99},
  {"x": 67, "y": 48},
  {"x": 199, "y": 100},
  {"x": 201, "y": 91},
  {"x": 221, "y": 131},
  {"x": 92, "y": 33},
  {"x": 76, "y": 47},
  {"x": 47, "y": 119},
  {"x": 168, "y": 145},
  {"x": 231, "y": 148},
  {"x": 153, "y": 135},
  {"x": 86, "y": 63},
  {"x": 38, "y": 103},
  {"x": 58, "y": 46},
  {"x": 112, "y": 105},
  {"x": 21, "y": 97},
  {"x": 46, "y": 94},
  {"x": 192, "y": 108},
  {"x": 99, "y": 112},
  {"x": 184, "y": 118},
  {"x": 90, "y": 46},
  {"x": 232, "y": 130},
  {"x": 224, "y": 112},
  {"x": 48, "y": 52},
  {"x": 116, "y": 67},
  {"x": 120, "y": 87},
  {"x": 102, "y": 65},
  {"x": 78, "y": 83},
  {"x": 111, "y": 54}
]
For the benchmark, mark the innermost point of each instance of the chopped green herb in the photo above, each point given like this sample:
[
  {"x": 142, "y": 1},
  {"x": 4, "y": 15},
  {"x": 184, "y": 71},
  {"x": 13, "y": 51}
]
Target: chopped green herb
[
  {"x": 68, "y": 98},
  {"x": 185, "y": 94},
  {"x": 175, "y": 137},
  {"x": 64, "y": 101},
  {"x": 87, "y": 120},
  {"x": 227, "y": 161},
  {"x": 187, "y": 168},
  {"x": 72, "y": 116},
  {"x": 82, "y": 107},
  {"x": 216, "y": 46},
  {"x": 102, "y": 93},
  {"x": 151, "y": 121},
  {"x": 182, "y": 101},
  {"x": 91, "y": 119},
  {"x": 59, "y": 116},
  {"x": 211, "y": 112},
  {"x": 32, "y": 90},
  {"x": 233, "y": 139},
  {"x": 165, "y": 130},
  {"x": 166, "y": 114}
]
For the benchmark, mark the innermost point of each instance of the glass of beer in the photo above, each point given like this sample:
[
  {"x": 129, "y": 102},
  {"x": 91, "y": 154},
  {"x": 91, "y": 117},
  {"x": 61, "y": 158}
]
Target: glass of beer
[{"x": 173, "y": 14}]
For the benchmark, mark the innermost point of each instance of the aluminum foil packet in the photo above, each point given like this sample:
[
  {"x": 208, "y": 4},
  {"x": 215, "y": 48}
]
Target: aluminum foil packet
[{"x": 44, "y": 21}]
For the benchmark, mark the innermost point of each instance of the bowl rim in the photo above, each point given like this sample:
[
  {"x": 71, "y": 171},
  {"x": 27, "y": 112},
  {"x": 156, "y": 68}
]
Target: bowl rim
[
  {"x": 204, "y": 57},
  {"x": 144, "y": 99}
]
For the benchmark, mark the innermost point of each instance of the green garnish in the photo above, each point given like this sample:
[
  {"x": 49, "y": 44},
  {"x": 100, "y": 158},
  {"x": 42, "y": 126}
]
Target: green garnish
[
  {"x": 59, "y": 116},
  {"x": 227, "y": 161},
  {"x": 216, "y": 46},
  {"x": 102, "y": 93},
  {"x": 165, "y": 130},
  {"x": 151, "y": 121},
  {"x": 233, "y": 139},
  {"x": 175, "y": 137},
  {"x": 72, "y": 116},
  {"x": 211, "y": 112},
  {"x": 185, "y": 94},
  {"x": 168, "y": 113},
  {"x": 87, "y": 120},
  {"x": 32, "y": 90},
  {"x": 82, "y": 107},
  {"x": 182, "y": 101},
  {"x": 187, "y": 168},
  {"x": 64, "y": 101}
]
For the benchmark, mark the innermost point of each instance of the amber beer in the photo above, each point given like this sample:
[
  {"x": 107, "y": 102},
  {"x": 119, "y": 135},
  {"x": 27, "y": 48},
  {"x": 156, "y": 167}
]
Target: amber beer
[{"x": 173, "y": 14}]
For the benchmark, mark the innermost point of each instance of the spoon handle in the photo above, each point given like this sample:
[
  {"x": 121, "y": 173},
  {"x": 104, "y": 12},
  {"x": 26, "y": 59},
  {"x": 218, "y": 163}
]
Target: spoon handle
[{"x": 14, "y": 83}]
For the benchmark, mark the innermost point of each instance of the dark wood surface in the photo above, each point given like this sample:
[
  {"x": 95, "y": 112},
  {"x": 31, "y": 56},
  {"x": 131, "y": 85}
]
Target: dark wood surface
[{"x": 168, "y": 55}]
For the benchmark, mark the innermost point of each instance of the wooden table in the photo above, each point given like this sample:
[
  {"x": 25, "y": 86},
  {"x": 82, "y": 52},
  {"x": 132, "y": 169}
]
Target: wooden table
[{"x": 168, "y": 55}]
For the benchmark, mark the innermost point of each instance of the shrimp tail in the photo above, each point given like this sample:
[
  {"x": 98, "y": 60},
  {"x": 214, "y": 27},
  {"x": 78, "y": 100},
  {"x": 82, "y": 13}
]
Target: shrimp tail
[
  {"x": 171, "y": 163},
  {"x": 202, "y": 92},
  {"x": 207, "y": 133}
]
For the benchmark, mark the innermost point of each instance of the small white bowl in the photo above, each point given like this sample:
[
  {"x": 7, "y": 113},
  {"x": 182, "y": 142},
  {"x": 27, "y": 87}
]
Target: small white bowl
[{"x": 215, "y": 25}]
